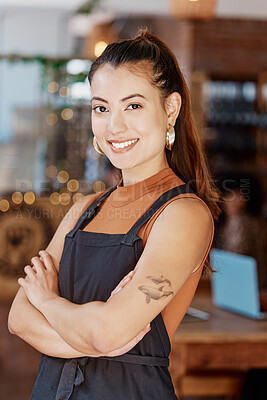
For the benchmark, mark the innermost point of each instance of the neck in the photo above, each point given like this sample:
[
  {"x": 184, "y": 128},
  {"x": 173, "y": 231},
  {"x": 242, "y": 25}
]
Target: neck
[{"x": 140, "y": 173}]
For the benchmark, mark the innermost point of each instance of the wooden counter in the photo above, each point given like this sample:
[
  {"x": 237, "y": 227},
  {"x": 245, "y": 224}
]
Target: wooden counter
[{"x": 226, "y": 346}]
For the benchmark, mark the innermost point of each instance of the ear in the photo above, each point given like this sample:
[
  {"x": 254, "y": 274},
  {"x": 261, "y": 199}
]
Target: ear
[{"x": 173, "y": 106}]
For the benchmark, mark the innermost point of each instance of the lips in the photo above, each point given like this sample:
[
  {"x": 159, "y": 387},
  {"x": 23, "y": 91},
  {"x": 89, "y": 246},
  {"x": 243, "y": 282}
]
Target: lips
[{"x": 122, "y": 149}]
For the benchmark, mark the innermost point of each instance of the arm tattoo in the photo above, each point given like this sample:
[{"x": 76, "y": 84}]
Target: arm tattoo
[{"x": 163, "y": 288}]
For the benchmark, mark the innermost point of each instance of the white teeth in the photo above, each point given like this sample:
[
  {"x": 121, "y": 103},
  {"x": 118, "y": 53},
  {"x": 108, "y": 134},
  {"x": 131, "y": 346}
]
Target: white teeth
[{"x": 124, "y": 144}]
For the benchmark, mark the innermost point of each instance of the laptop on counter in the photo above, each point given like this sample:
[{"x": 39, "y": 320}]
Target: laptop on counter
[{"x": 235, "y": 285}]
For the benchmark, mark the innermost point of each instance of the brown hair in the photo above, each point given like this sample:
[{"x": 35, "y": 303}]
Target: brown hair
[{"x": 187, "y": 158}]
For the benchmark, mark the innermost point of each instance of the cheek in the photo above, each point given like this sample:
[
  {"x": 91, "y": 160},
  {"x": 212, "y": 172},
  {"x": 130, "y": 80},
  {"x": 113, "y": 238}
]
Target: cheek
[
  {"x": 155, "y": 140},
  {"x": 149, "y": 122},
  {"x": 97, "y": 125}
]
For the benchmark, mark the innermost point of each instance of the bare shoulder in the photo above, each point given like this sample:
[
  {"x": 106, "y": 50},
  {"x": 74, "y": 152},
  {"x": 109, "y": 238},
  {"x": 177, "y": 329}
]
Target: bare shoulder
[
  {"x": 183, "y": 231},
  {"x": 185, "y": 211},
  {"x": 190, "y": 210},
  {"x": 55, "y": 247}
]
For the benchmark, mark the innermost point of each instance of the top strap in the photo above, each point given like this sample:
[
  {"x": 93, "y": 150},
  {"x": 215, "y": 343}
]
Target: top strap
[
  {"x": 164, "y": 198},
  {"x": 89, "y": 213}
]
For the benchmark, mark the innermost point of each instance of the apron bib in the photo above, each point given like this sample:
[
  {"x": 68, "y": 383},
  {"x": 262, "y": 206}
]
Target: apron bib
[{"x": 91, "y": 266}]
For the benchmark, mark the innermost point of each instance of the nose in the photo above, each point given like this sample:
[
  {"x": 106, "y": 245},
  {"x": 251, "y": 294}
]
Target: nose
[{"x": 116, "y": 123}]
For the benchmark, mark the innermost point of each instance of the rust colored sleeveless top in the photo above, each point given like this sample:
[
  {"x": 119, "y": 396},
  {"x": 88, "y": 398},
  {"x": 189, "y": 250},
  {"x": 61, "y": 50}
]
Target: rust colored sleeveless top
[{"x": 124, "y": 207}]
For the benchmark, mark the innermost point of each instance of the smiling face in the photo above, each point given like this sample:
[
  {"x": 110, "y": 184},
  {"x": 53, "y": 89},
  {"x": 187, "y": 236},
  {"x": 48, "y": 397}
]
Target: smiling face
[{"x": 128, "y": 119}]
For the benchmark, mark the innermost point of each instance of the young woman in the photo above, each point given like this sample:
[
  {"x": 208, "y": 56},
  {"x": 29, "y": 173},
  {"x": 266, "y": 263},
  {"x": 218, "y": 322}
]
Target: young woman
[{"x": 103, "y": 301}]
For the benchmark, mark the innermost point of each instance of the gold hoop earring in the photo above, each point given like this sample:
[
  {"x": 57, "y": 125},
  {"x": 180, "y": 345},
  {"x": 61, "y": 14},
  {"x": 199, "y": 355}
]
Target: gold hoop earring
[
  {"x": 96, "y": 147},
  {"x": 170, "y": 138}
]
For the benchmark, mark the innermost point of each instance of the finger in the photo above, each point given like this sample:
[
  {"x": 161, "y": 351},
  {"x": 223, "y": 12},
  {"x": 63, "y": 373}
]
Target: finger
[
  {"x": 122, "y": 283},
  {"x": 128, "y": 276},
  {"x": 126, "y": 279},
  {"x": 120, "y": 286},
  {"x": 131, "y": 274},
  {"x": 115, "y": 291},
  {"x": 29, "y": 271},
  {"x": 142, "y": 333},
  {"x": 49, "y": 264},
  {"x": 38, "y": 265},
  {"x": 147, "y": 328},
  {"x": 21, "y": 282}
]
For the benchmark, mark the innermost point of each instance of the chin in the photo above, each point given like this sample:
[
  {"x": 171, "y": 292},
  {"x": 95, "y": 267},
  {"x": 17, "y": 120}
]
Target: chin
[{"x": 122, "y": 164}]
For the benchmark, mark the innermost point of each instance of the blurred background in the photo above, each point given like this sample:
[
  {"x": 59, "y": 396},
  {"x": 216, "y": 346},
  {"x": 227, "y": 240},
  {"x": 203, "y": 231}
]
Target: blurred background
[{"x": 47, "y": 161}]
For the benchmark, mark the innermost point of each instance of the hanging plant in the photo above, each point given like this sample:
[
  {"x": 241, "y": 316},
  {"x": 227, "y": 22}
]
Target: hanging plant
[{"x": 88, "y": 7}]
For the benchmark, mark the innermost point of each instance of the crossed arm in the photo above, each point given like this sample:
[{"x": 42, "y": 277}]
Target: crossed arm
[{"x": 175, "y": 247}]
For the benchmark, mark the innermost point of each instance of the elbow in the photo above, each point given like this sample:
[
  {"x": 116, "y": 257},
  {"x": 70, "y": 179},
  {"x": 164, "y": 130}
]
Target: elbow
[
  {"x": 14, "y": 323},
  {"x": 102, "y": 339},
  {"x": 11, "y": 325},
  {"x": 102, "y": 336},
  {"x": 101, "y": 347}
]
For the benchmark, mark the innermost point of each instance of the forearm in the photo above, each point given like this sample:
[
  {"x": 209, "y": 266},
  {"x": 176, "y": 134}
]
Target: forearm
[
  {"x": 30, "y": 325},
  {"x": 80, "y": 329},
  {"x": 90, "y": 328}
]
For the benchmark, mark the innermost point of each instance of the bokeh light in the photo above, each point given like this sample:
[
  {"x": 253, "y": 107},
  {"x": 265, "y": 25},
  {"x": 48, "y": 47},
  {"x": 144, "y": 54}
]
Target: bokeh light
[
  {"x": 29, "y": 197},
  {"x": 64, "y": 199},
  {"x": 99, "y": 48},
  {"x": 73, "y": 185},
  {"x": 51, "y": 119},
  {"x": 77, "y": 197},
  {"x": 80, "y": 90},
  {"x": 66, "y": 114},
  {"x": 54, "y": 198},
  {"x": 4, "y": 205},
  {"x": 64, "y": 91},
  {"x": 62, "y": 176},
  {"x": 17, "y": 198},
  {"x": 51, "y": 171},
  {"x": 77, "y": 66},
  {"x": 52, "y": 87},
  {"x": 99, "y": 186}
]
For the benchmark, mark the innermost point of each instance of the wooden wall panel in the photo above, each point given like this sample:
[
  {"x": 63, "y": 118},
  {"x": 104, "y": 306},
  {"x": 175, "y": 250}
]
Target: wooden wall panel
[{"x": 230, "y": 47}]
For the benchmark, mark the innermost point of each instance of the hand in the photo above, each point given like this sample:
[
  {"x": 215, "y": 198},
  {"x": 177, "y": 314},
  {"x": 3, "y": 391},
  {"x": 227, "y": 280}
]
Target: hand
[
  {"x": 139, "y": 337},
  {"x": 41, "y": 281},
  {"x": 121, "y": 284}
]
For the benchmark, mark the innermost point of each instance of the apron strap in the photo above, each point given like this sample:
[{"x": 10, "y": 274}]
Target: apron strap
[
  {"x": 71, "y": 375},
  {"x": 164, "y": 198},
  {"x": 73, "y": 371},
  {"x": 89, "y": 213},
  {"x": 140, "y": 360}
]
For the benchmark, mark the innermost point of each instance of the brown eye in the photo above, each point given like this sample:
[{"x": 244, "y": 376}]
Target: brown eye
[
  {"x": 99, "y": 109},
  {"x": 134, "y": 106}
]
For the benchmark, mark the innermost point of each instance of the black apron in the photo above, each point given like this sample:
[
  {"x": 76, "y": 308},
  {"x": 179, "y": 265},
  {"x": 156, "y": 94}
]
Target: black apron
[{"x": 91, "y": 266}]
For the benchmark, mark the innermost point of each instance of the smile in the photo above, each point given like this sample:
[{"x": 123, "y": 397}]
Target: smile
[
  {"x": 123, "y": 144},
  {"x": 122, "y": 147}
]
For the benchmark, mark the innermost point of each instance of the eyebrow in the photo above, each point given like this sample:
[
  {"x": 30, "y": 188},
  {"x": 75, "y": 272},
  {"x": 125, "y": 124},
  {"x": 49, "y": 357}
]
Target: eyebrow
[{"x": 124, "y": 99}]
